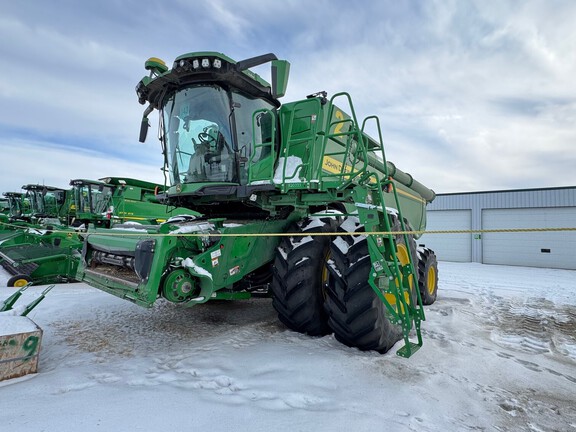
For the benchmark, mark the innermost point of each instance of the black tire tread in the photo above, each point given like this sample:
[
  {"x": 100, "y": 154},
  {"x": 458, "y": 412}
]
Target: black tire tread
[
  {"x": 426, "y": 260},
  {"x": 297, "y": 286},
  {"x": 356, "y": 314}
]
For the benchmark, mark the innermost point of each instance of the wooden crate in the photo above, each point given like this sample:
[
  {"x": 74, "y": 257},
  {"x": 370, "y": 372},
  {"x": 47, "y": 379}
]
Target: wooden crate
[{"x": 20, "y": 340}]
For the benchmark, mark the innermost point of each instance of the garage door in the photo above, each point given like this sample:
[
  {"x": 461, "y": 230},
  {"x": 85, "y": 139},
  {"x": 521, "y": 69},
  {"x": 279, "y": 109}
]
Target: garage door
[
  {"x": 532, "y": 249},
  {"x": 449, "y": 247}
]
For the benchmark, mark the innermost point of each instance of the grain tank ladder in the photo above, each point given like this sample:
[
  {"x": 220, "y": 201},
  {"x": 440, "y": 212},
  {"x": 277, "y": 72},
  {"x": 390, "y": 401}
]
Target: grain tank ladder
[{"x": 394, "y": 282}]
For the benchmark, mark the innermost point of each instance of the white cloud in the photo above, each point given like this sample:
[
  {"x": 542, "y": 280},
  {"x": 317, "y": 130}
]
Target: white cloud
[{"x": 28, "y": 162}]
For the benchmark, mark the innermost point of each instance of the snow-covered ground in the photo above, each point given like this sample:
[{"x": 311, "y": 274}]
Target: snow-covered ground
[{"x": 499, "y": 354}]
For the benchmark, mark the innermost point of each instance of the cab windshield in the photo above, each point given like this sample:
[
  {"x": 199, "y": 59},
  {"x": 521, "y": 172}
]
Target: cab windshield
[
  {"x": 208, "y": 134},
  {"x": 196, "y": 123},
  {"x": 16, "y": 205},
  {"x": 45, "y": 202},
  {"x": 93, "y": 198}
]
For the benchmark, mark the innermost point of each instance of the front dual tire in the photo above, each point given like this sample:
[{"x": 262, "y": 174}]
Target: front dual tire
[
  {"x": 356, "y": 313},
  {"x": 320, "y": 283},
  {"x": 299, "y": 277}
]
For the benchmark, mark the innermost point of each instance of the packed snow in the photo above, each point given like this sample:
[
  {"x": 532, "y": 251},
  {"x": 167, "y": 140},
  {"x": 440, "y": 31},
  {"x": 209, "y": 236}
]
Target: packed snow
[
  {"x": 14, "y": 324},
  {"x": 499, "y": 354},
  {"x": 189, "y": 263}
]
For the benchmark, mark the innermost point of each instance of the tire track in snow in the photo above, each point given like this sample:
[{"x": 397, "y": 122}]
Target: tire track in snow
[{"x": 508, "y": 330}]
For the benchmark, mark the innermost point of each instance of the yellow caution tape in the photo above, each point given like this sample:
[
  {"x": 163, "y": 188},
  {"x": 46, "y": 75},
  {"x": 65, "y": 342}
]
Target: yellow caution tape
[{"x": 316, "y": 234}]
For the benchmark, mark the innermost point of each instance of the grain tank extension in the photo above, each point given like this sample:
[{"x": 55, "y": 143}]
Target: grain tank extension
[{"x": 292, "y": 200}]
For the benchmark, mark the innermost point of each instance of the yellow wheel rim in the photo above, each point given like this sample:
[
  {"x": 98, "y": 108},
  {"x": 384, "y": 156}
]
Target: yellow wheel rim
[
  {"x": 403, "y": 260},
  {"x": 19, "y": 283},
  {"x": 431, "y": 280}
]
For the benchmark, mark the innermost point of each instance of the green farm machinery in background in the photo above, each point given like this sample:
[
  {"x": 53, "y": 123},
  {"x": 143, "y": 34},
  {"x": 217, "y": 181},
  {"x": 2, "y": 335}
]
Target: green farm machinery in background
[
  {"x": 4, "y": 213},
  {"x": 33, "y": 246},
  {"x": 291, "y": 200},
  {"x": 4, "y": 207},
  {"x": 116, "y": 200},
  {"x": 32, "y": 208},
  {"x": 48, "y": 251},
  {"x": 48, "y": 205},
  {"x": 18, "y": 205}
]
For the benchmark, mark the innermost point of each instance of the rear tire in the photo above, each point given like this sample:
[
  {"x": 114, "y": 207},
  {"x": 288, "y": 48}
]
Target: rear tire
[
  {"x": 356, "y": 313},
  {"x": 300, "y": 275},
  {"x": 427, "y": 275}
]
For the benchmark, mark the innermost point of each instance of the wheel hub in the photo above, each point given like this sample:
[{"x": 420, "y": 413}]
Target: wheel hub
[{"x": 179, "y": 286}]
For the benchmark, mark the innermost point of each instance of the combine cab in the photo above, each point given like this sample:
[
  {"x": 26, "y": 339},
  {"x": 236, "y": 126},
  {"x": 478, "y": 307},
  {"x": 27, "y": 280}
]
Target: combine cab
[
  {"x": 4, "y": 207},
  {"x": 48, "y": 205},
  {"x": 18, "y": 205},
  {"x": 4, "y": 213},
  {"x": 294, "y": 201}
]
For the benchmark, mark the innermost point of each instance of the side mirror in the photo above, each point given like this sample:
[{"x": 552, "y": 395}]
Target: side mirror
[
  {"x": 280, "y": 73},
  {"x": 144, "y": 129}
]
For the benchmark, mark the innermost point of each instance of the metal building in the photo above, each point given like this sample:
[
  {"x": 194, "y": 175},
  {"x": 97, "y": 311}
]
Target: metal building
[{"x": 507, "y": 209}]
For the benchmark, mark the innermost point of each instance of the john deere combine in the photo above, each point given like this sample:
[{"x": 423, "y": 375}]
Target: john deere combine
[
  {"x": 115, "y": 200},
  {"x": 296, "y": 200},
  {"x": 11, "y": 222},
  {"x": 30, "y": 209},
  {"x": 48, "y": 204},
  {"x": 32, "y": 247},
  {"x": 4, "y": 212},
  {"x": 49, "y": 253},
  {"x": 18, "y": 205},
  {"x": 4, "y": 206}
]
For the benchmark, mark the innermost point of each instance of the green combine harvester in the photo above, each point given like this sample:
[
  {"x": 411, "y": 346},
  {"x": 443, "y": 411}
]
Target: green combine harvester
[
  {"x": 294, "y": 200},
  {"x": 45, "y": 253},
  {"x": 4, "y": 213},
  {"x": 11, "y": 222},
  {"x": 4, "y": 206},
  {"x": 48, "y": 205},
  {"x": 31, "y": 241},
  {"x": 27, "y": 209},
  {"x": 18, "y": 205},
  {"x": 117, "y": 200}
]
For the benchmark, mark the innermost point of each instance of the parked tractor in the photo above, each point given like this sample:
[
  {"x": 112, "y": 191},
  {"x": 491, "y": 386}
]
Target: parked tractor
[{"x": 293, "y": 200}]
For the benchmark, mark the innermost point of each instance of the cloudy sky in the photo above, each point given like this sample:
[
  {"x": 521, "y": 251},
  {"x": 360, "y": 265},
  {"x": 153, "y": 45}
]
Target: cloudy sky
[{"x": 472, "y": 95}]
